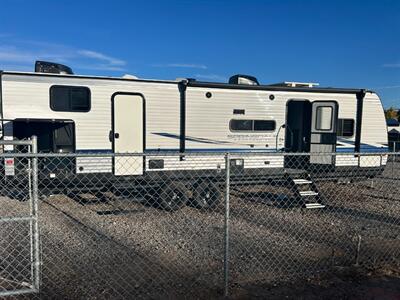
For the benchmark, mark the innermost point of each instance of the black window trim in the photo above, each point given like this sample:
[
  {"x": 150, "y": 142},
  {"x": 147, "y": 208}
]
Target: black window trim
[
  {"x": 252, "y": 129},
  {"x": 71, "y": 86},
  {"x": 352, "y": 130}
]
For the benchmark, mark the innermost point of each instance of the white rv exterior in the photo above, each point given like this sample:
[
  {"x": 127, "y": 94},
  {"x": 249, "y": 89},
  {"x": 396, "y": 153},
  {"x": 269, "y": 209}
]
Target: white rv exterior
[{"x": 188, "y": 116}]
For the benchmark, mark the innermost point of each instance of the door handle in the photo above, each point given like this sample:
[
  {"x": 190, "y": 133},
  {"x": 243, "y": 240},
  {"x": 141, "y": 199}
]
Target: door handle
[{"x": 112, "y": 135}]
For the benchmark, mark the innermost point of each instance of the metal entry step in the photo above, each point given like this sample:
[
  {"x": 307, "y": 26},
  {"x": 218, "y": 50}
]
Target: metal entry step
[
  {"x": 302, "y": 181},
  {"x": 314, "y": 205},
  {"x": 306, "y": 190},
  {"x": 308, "y": 193}
]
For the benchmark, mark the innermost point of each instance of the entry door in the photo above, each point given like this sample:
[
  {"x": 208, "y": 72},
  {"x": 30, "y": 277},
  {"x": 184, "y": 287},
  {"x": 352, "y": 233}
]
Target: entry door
[
  {"x": 298, "y": 126},
  {"x": 323, "y": 132},
  {"x": 298, "y": 131},
  {"x": 127, "y": 134}
]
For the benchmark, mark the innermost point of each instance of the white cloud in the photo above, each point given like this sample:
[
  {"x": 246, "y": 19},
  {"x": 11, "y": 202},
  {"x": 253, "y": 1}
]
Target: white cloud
[
  {"x": 24, "y": 52},
  {"x": 211, "y": 77},
  {"x": 101, "y": 67},
  {"x": 395, "y": 65},
  {"x": 5, "y": 35},
  {"x": 100, "y": 56},
  {"x": 387, "y": 87},
  {"x": 179, "y": 65},
  {"x": 12, "y": 54},
  {"x": 16, "y": 67}
]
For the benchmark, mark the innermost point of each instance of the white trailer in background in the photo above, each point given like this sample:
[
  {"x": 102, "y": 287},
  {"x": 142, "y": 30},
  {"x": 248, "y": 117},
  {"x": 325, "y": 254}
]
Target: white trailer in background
[
  {"x": 393, "y": 128},
  {"x": 84, "y": 114}
]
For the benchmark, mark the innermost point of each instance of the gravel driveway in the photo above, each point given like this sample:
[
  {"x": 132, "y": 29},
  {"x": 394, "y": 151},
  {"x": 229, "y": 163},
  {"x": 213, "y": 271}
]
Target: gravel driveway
[{"x": 104, "y": 246}]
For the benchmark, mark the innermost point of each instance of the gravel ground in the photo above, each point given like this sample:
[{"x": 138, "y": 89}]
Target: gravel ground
[
  {"x": 341, "y": 283},
  {"x": 114, "y": 247}
]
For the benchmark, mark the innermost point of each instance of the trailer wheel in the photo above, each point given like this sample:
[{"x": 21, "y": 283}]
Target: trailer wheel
[
  {"x": 206, "y": 194},
  {"x": 172, "y": 196}
]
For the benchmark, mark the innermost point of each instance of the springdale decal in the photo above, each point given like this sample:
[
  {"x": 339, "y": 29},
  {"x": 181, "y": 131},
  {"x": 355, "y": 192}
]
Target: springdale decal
[{"x": 250, "y": 137}]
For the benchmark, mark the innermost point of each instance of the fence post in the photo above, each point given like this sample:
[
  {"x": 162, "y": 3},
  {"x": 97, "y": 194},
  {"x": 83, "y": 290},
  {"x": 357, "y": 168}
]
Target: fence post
[
  {"x": 35, "y": 221},
  {"x": 226, "y": 225},
  {"x": 393, "y": 158}
]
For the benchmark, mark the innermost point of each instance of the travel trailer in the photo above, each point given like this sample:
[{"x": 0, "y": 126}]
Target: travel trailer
[
  {"x": 86, "y": 114},
  {"x": 393, "y": 127}
]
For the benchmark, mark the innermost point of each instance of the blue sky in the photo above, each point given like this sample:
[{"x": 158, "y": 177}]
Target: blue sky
[{"x": 335, "y": 43}]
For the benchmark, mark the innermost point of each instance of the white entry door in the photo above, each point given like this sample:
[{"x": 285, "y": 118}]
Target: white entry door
[{"x": 128, "y": 136}]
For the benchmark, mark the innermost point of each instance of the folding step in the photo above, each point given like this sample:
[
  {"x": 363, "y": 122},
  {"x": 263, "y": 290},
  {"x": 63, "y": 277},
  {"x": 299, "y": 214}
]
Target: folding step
[
  {"x": 302, "y": 181},
  {"x": 308, "y": 193},
  {"x": 314, "y": 205}
]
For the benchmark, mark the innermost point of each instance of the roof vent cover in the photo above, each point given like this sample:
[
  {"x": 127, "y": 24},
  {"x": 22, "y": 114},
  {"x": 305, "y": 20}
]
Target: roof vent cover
[
  {"x": 50, "y": 67},
  {"x": 243, "y": 79},
  {"x": 129, "y": 76}
]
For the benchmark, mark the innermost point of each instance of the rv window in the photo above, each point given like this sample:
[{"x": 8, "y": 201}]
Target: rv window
[
  {"x": 345, "y": 127},
  {"x": 69, "y": 98},
  {"x": 252, "y": 125},
  {"x": 324, "y": 118},
  {"x": 241, "y": 125},
  {"x": 264, "y": 125}
]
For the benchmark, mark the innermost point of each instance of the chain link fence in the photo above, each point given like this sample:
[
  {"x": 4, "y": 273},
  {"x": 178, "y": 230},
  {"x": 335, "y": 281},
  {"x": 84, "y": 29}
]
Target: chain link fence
[
  {"x": 19, "y": 230},
  {"x": 195, "y": 224}
]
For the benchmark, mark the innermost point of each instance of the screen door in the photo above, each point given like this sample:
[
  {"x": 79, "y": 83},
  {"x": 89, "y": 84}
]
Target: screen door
[{"x": 323, "y": 132}]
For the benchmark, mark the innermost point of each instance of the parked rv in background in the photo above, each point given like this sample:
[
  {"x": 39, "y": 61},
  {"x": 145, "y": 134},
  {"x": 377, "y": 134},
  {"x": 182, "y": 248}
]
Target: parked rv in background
[
  {"x": 393, "y": 127},
  {"x": 80, "y": 114}
]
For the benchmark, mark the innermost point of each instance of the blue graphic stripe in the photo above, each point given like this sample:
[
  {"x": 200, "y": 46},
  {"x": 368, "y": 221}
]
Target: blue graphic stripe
[
  {"x": 366, "y": 148},
  {"x": 105, "y": 151}
]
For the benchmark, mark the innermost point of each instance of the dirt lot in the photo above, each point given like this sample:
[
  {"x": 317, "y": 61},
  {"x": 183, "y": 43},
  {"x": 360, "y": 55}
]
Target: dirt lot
[
  {"x": 114, "y": 247},
  {"x": 341, "y": 283}
]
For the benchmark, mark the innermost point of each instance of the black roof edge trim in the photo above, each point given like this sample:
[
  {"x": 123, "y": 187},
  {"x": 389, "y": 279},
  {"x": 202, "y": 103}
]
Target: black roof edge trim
[
  {"x": 276, "y": 88},
  {"x": 38, "y": 120},
  {"x": 203, "y": 84},
  {"x": 75, "y": 76}
]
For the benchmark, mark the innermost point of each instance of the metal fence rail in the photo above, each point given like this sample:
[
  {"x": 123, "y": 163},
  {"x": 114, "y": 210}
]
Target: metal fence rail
[{"x": 200, "y": 224}]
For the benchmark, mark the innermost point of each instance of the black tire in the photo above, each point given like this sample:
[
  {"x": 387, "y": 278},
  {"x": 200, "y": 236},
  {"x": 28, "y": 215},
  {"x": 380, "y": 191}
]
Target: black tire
[
  {"x": 206, "y": 194},
  {"x": 172, "y": 196}
]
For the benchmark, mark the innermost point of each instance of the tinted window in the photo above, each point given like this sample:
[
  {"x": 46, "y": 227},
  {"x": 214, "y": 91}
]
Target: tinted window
[
  {"x": 239, "y": 125},
  {"x": 262, "y": 125},
  {"x": 345, "y": 127},
  {"x": 70, "y": 98},
  {"x": 252, "y": 125},
  {"x": 324, "y": 118}
]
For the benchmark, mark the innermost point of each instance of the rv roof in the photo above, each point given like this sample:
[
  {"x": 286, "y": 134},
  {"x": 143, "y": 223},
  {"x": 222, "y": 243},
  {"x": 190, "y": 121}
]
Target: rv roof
[
  {"x": 195, "y": 83},
  {"x": 296, "y": 84},
  {"x": 278, "y": 88},
  {"x": 124, "y": 78}
]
